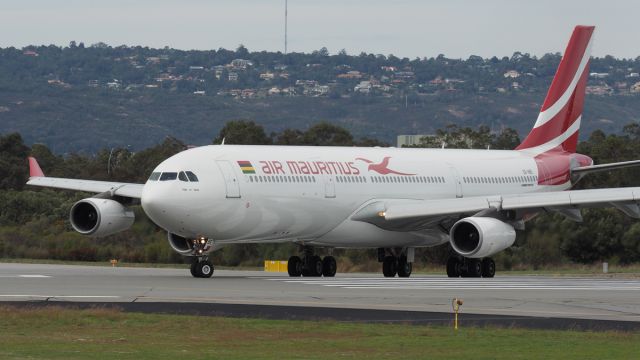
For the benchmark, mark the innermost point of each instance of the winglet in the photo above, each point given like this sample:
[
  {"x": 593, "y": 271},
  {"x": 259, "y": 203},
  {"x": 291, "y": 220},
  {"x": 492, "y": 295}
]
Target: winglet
[{"x": 34, "y": 168}]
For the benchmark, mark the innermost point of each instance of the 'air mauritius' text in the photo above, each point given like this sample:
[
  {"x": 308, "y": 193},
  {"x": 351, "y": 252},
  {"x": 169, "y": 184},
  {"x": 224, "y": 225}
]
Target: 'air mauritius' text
[{"x": 309, "y": 167}]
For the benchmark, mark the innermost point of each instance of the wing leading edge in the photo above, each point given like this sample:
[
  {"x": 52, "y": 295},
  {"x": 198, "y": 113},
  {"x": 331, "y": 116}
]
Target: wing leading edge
[{"x": 37, "y": 178}]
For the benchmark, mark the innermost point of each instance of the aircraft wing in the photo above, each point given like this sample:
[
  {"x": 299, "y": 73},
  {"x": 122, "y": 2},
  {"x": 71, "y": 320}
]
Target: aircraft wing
[
  {"x": 414, "y": 215},
  {"x": 37, "y": 178}
]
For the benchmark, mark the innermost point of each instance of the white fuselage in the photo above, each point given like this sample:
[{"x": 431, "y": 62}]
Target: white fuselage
[{"x": 308, "y": 194}]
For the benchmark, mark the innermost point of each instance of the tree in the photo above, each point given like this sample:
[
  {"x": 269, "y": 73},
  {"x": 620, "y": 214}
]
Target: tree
[
  {"x": 243, "y": 132},
  {"x": 326, "y": 134},
  {"x": 13, "y": 162}
]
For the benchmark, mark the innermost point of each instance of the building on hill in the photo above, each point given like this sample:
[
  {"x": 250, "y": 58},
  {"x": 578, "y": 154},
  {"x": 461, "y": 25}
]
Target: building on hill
[
  {"x": 511, "y": 74},
  {"x": 241, "y": 64},
  {"x": 600, "y": 90},
  {"x": 411, "y": 140}
]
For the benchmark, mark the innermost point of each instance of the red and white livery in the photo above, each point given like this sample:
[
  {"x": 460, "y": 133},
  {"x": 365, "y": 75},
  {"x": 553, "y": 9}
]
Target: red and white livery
[{"x": 394, "y": 200}]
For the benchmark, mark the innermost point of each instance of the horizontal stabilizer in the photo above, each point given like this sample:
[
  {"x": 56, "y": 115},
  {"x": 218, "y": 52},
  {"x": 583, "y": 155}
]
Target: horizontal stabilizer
[{"x": 583, "y": 170}]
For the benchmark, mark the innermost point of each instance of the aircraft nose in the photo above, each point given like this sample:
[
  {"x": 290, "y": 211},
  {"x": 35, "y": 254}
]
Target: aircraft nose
[{"x": 156, "y": 204}]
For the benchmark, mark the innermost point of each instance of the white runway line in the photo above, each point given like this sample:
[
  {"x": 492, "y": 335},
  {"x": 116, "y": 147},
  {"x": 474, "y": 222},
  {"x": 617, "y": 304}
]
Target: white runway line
[
  {"x": 60, "y": 296},
  {"x": 34, "y": 276},
  {"x": 469, "y": 284}
]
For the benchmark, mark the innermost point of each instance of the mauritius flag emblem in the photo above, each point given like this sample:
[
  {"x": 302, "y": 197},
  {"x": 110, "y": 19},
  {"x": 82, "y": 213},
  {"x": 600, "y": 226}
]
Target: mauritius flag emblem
[{"x": 246, "y": 167}]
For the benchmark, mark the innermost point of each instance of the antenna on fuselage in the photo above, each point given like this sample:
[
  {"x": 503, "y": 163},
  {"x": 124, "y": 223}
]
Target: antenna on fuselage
[{"x": 222, "y": 143}]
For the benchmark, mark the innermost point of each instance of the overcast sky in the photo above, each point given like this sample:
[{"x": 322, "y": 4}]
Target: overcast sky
[{"x": 405, "y": 28}]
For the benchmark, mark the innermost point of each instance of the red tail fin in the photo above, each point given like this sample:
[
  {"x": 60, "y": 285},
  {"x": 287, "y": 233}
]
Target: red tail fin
[{"x": 559, "y": 119}]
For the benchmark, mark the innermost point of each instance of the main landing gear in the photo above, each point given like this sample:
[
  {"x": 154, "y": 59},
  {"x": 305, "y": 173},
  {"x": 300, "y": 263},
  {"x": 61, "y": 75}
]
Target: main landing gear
[
  {"x": 312, "y": 265},
  {"x": 393, "y": 264},
  {"x": 466, "y": 267},
  {"x": 201, "y": 267}
]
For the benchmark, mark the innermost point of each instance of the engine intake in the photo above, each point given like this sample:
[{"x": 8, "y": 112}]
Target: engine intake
[
  {"x": 478, "y": 237},
  {"x": 180, "y": 244},
  {"x": 100, "y": 217}
]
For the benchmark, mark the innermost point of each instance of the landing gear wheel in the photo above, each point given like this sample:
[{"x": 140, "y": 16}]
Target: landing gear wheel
[
  {"x": 205, "y": 269},
  {"x": 404, "y": 267},
  {"x": 329, "y": 266},
  {"x": 315, "y": 266},
  {"x": 474, "y": 268},
  {"x": 453, "y": 267},
  {"x": 488, "y": 268},
  {"x": 389, "y": 266},
  {"x": 194, "y": 269},
  {"x": 294, "y": 266}
]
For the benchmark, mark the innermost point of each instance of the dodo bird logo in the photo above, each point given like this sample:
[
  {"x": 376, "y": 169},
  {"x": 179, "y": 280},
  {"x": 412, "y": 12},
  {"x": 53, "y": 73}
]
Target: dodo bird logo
[{"x": 383, "y": 167}]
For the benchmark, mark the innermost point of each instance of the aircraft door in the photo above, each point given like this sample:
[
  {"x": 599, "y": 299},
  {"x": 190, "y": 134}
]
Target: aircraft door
[
  {"x": 230, "y": 179},
  {"x": 329, "y": 186},
  {"x": 457, "y": 181}
]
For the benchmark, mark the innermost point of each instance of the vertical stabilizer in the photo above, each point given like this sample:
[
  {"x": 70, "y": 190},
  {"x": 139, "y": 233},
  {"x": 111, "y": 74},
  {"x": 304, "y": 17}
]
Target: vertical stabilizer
[{"x": 558, "y": 123}]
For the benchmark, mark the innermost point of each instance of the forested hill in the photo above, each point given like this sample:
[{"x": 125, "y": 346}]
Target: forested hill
[{"x": 85, "y": 98}]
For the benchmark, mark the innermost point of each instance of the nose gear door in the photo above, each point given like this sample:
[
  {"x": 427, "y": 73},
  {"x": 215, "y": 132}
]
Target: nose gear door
[{"x": 230, "y": 179}]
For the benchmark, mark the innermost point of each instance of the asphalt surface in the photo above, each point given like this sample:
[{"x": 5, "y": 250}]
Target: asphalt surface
[{"x": 524, "y": 301}]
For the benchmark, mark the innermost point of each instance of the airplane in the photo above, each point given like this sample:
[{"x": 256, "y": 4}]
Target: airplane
[{"x": 391, "y": 199}]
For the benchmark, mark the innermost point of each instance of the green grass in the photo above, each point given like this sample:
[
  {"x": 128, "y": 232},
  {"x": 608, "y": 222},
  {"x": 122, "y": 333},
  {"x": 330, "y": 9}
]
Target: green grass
[{"x": 57, "y": 333}]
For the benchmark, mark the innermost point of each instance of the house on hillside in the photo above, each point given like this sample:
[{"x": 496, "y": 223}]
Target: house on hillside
[
  {"x": 240, "y": 64},
  {"x": 600, "y": 90},
  {"x": 511, "y": 74},
  {"x": 267, "y": 76},
  {"x": 353, "y": 74},
  {"x": 363, "y": 87}
]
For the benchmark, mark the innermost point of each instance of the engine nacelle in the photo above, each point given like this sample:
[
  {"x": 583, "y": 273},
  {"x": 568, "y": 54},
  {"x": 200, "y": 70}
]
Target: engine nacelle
[
  {"x": 199, "y": 246},
  {"x": 100, "y": 217},
  {"x": 478, "y": 237},
  {"x": 182, "y": 246}
]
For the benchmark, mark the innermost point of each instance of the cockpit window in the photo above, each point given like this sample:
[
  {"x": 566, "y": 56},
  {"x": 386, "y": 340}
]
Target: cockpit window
[
  {"x": 192, "y": 176},
  {"x": 166, "y": 176},
  {"x": 182, "y": 176},
  {"x": 154, "y": 176}
]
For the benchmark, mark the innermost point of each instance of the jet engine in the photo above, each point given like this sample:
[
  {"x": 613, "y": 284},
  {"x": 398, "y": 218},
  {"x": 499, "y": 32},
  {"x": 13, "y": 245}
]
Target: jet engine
[
  {"x": 478, "y": 237},
  {"x": 190, "y": 247},
  {"x": 100, "y": 217},
  {"x": 182, "y": 246}
]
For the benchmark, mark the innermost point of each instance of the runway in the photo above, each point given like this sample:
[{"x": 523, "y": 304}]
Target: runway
[{"x": 539, "y": 297}]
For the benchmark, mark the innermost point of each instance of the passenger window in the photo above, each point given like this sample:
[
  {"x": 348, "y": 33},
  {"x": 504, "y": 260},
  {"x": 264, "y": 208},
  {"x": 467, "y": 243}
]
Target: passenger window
[
  {"x": 154, "y": 176},
  {"x": 182, "y": 176},
  {"x": 167, "y": 176}
]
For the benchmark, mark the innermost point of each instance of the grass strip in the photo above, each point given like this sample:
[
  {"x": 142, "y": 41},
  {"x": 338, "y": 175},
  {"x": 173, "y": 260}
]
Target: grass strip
[{"x": 63, "y": 333}]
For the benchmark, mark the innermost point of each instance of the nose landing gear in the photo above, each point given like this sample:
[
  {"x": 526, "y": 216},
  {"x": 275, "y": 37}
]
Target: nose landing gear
[{"x": 202, "y": 267}]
